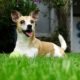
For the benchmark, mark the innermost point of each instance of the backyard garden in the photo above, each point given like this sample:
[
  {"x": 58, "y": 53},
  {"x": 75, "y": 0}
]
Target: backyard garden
[{"x": 41, "y": 67}]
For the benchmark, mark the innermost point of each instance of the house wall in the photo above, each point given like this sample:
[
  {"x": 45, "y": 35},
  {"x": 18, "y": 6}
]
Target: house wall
[
  {"x": 75, "y": 26},
  {"x": 76, "y": 35}
]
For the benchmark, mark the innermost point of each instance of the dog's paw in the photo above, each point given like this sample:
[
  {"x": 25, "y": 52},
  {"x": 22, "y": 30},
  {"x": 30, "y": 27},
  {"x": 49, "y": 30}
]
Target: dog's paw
[{"x": 15, "y": 54}]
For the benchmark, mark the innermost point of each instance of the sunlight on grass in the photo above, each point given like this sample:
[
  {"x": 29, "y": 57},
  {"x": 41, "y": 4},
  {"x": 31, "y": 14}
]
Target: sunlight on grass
[{"x": 40, "y": 68}]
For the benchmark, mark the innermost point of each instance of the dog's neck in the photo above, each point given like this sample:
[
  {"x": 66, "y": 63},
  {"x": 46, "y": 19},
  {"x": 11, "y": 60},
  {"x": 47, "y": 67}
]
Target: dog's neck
[{"x": 22, "y": 38}]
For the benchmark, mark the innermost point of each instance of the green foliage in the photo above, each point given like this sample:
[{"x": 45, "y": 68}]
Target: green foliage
[
  {"x": 6, "y": 6},
  {"x": 40, "y": 68},
  {"x": 57, "y": 3}
]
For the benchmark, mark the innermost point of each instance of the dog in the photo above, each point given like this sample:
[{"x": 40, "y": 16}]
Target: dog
[{"x": 27, "y": 44}]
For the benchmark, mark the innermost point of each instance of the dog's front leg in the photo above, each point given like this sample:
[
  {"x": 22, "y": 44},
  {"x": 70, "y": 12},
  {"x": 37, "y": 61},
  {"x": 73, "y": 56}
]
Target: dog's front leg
[
  {"x": 32, "y": 52},
  {"x": 16, "y": 54}
]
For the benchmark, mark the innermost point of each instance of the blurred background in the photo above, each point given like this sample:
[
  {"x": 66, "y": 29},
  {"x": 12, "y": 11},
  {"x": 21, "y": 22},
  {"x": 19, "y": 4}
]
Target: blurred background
[{"x": 56, "y": 16}]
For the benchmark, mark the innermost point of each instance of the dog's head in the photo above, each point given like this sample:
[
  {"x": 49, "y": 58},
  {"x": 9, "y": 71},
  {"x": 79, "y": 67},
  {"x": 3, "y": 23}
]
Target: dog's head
[{"x": 25, "y": 24}]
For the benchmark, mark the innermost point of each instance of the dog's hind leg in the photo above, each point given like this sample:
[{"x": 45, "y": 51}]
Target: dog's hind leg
[{"x": 57, "y": 52}]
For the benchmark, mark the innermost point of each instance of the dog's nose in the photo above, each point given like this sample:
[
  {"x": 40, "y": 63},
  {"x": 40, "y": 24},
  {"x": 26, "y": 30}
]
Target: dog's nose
[{"x": 29, "y": 26}]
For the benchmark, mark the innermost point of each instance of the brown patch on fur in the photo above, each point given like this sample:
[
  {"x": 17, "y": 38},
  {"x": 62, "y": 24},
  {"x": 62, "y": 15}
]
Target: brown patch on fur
[
  {"x": 23, "y": 18},
  {"x": 62, "y": 51},
  {"x": 35, "y": 14},
  {"x": 15, "y": 15},
  {"x": 43, "y": 47}
]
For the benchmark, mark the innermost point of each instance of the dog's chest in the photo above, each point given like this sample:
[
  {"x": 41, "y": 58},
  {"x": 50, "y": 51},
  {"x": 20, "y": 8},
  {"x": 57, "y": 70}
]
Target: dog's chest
[
  {"x": 22, "y": 46},
  {"x": 22, "y": 42}
]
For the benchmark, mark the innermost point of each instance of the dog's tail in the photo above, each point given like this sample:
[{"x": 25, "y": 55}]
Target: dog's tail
[{"x": 62, "y": 42}]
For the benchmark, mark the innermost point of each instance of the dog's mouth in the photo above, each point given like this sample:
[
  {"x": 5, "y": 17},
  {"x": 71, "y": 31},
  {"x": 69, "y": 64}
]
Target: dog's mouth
[{"x": 28, "y": 33}]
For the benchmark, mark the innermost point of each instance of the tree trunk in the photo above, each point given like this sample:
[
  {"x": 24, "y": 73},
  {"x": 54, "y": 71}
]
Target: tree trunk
[{"x": 63, "y": 29}]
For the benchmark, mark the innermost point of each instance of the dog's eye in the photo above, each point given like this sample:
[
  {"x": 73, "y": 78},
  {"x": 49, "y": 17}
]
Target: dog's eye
[
  {"x": 32, "y": 21},
  {"x": 22, "y": 21}
]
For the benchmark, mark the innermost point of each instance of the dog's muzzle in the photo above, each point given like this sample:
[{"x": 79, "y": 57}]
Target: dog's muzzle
[{"x": 28, "y": 31}]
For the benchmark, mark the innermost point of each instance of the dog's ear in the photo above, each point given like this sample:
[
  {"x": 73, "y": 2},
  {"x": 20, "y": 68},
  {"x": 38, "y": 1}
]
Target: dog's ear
[
  {"x": 15, "y": 15},
  {"x": 35, "y": 14}
]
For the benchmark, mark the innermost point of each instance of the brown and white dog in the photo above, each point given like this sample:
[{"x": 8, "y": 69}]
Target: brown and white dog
[{"x": 27, "y": 44}]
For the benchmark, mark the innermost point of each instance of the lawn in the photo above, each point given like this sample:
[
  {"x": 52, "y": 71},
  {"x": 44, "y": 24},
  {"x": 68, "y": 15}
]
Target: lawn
[{"x": 40, "y": 68}]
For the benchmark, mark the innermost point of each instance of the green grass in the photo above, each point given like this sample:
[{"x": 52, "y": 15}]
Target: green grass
[{"x": 40, "y": 68}]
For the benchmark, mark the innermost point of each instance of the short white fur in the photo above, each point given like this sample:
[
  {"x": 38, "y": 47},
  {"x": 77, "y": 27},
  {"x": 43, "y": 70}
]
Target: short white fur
[
  {"x": 23, "y": 48},
  {"x": 57, "y": 52}
]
